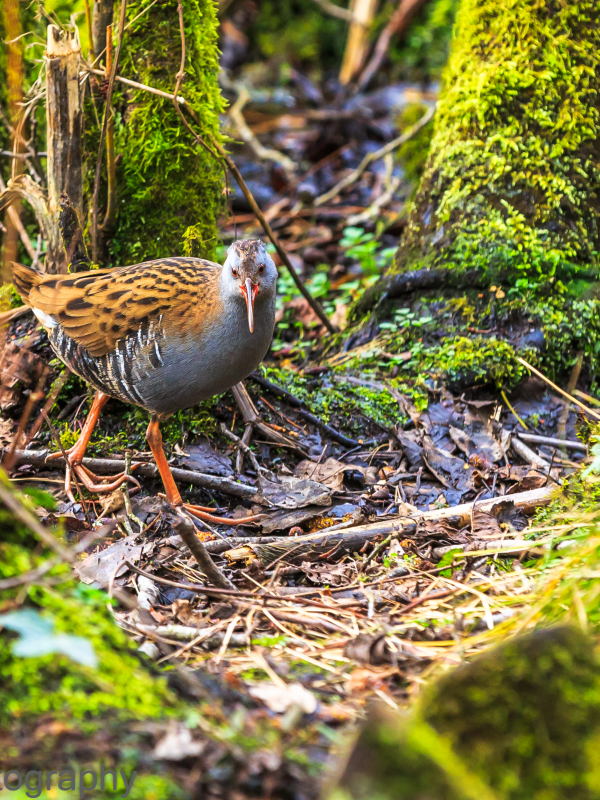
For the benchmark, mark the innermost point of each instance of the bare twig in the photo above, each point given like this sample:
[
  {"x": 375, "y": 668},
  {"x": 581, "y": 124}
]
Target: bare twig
[
  {"x": 264, "y": 153},
  {"x": 335, "y": 11},
  {"x": 73, "y": 472},
  {"x": 111, "y": 85},
  {"x": 20, "y": 228},
  {"x": 279, "y": 392},
  {"x": 135, "y": 85},
  {"x": 527, "y": 454},
  {"x": 27, "y": 518},
  {"x": 552, "y": 442},
  {"x": 571, "y": 386},
  {"x": 105, "y": 466},
  {"x": 398, "y": 24},
  {"x": 375, "y": 156},
  {"x": 512, "y": 410},
  {"x": 54, "y": 392},
  {"x": 243, "y": 447},
  {"x": 34, "y": 397},
  {"x": 186, "y": 529}
]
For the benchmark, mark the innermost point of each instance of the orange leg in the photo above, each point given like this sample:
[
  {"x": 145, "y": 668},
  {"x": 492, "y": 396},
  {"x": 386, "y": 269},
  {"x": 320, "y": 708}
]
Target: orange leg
[
  {"x": 155, "y": 442},
  {"x": 75, "y": 455}
]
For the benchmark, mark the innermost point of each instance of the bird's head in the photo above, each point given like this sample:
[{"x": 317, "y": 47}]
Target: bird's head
[{"x": 249, "y": 272}]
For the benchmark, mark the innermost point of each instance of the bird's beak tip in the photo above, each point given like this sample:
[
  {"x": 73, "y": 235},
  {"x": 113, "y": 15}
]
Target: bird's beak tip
[{"x": 250, "y": 290}]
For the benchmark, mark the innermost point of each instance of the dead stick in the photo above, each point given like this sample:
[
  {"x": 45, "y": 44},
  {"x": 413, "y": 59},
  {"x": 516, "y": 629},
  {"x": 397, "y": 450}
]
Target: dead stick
[
  {"x": 186, "y": 529},
  {"x": 27, "y": 518},
  {"x": 351, "y": 539},
  {"x": 104, "y": 466},
  {"x": 398, "y": 24}
]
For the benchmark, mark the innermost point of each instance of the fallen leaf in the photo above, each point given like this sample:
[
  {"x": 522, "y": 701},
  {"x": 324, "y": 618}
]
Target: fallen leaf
[
  {"x": 101, "y": 566},
  {"x": 330, "y": 472},
  {"x": 112, "y": 502},
  {"x": 280, "y": 698},
  {"x": 18, "y": 365},
  {"x": 203, "y": 458},
  {"x": 451, "y": 471},
  {"x": 177, "y": 744},
  {"x": 292, "y": 492},
  {"x": 367, "y": 649}
]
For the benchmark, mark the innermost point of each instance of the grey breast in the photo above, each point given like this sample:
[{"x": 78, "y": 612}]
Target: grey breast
[{"x": 189, "y": 369}]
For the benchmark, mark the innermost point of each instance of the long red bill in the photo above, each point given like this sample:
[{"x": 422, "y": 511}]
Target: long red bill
[{"x": 250, "y": 290}]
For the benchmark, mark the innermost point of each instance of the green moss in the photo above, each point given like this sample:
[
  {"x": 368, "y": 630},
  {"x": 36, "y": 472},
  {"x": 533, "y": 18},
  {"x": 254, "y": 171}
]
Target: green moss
[
  {"x": 167, "y": 183},
  {"x": 413, "y": 154},
  {"x": 53, "y": 684},
  {"x": 519, "y": 723},
  {"x": 514, "y": 170},
  {"x": 522, "y": 716}
]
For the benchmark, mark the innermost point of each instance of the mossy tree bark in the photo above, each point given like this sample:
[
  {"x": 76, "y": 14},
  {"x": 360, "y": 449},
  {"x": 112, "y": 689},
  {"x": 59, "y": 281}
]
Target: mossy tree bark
[
  {"x": 169, "y": 194},
  {"x": 511, "y": 185}
]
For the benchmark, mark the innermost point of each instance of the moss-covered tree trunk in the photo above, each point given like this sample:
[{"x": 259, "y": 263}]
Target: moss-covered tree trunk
[
  {"x": 166, "y": 186},
  {"x": 510, "y": 189}
]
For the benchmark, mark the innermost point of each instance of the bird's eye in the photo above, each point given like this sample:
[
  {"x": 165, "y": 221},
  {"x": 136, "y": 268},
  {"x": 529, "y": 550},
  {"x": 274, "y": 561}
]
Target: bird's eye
[
  {"x": 261, "y": 269},
  {"x": 234, "y": 272}
]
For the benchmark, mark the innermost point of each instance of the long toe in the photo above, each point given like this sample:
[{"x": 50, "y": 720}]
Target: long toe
[
  {"x": 200, "y": 512},
  {"x": 102, "y": 484}
]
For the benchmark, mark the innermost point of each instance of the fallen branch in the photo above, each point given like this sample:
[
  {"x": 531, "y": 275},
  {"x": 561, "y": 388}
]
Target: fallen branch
[
  {"x": 187, "y": 530},
  {"x": 320, "y": 545},
  {"x": 398, "y": 24},
  {"x": 552, "y": 442},
  {"x": 264, "y": 153},
  {"x": 375, "y": 156},
  {"x": 104, "y": 466},
  {"x": 528, "y": 455},
  {"x": 335, "y": 11}
]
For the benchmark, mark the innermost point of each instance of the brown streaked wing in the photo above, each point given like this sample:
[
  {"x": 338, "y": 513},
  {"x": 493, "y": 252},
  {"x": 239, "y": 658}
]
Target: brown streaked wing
[{"x": 98, "y": 308}]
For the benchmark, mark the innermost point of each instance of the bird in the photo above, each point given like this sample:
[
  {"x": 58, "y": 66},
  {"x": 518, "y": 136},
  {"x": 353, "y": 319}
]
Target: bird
[{"x": 162, "y": 335}]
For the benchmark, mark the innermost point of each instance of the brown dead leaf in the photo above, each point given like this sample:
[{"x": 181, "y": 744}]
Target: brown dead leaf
[
  {"x": 450, "y": 471},
  {"x": 366, "y": 649},
  {"x": 291, "y": 492},
  {"x": 7, "y": 431},
  {"x": 112, "y": 502},
  {"x": 485, "y": 526},
  {"x": 328, "y": 574},
  {"x": 330, "y": 472},
  {"x": 365, "y": 680},
  {"x": 18, "y": 365}
]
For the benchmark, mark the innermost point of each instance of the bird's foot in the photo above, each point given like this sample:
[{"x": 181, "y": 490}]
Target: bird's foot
[
  {"x": 204, "y": 513},
  {"x": 97, "y": 484}
]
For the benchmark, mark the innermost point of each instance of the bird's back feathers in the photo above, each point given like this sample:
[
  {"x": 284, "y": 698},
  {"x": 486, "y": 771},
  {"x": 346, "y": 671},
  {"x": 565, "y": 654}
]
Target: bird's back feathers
[{"x": 97, "y": 309}]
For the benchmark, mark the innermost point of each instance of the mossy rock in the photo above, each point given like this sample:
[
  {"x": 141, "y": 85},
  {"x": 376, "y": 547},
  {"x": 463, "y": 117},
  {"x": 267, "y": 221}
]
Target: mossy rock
[{"x": 520, "y": 722}]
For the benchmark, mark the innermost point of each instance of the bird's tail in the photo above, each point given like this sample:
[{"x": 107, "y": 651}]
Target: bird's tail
[{"x": 25, "y": 279}]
